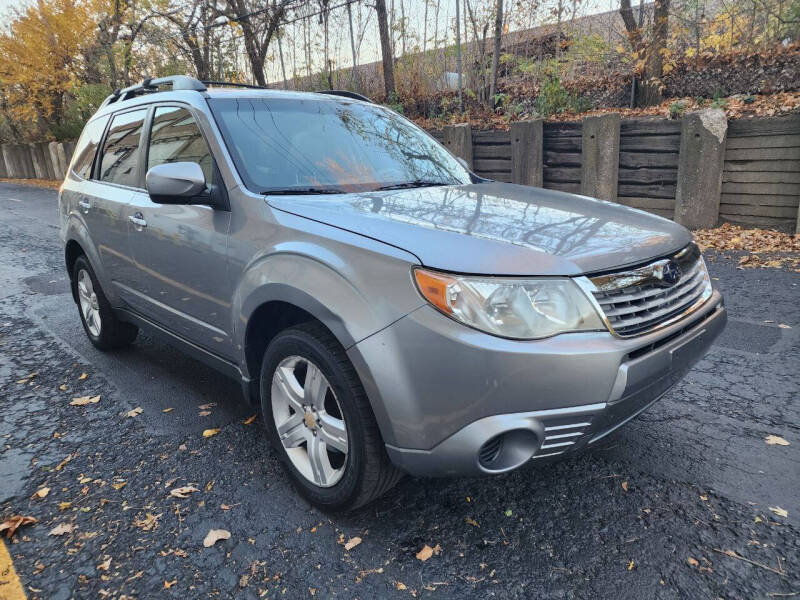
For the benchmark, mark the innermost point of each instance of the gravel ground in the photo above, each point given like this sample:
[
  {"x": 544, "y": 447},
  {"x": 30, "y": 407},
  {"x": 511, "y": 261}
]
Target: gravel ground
[{"x": 675, "y": 505}]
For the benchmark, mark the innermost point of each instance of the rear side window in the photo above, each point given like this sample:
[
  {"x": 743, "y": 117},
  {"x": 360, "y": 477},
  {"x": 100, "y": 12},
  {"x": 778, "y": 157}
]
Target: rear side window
[
  {"x": 175, "y": 137},
  {"x": 87, "y": 147},
  {"x": 120, "y": 158}
]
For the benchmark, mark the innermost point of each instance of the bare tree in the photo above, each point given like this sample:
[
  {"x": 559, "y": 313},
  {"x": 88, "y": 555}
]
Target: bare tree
[
  {"x": 259, "y": 23},
  {"x": 386, "y": 48},
  {"x": 498, "y": 32},
  {"x": 652, "y": 49},
  {"x": 354, "y": 75}
]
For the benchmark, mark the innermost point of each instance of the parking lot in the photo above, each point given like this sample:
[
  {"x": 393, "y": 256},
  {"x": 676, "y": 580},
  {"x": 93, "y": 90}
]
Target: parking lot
[{"x": 687, "y": 500}]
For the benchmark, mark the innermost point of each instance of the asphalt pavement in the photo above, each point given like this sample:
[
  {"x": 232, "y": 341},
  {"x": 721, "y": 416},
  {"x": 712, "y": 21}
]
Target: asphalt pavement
[{"x": 686, "y": 501}]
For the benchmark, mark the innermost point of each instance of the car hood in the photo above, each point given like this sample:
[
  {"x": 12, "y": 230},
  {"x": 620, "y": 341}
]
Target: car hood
[{"x": 498, "y": 228}]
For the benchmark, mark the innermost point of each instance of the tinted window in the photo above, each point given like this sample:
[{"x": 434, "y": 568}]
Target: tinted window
[
  {"x": 292, "y": 143},
  {"x": 120, "y": 151},
  {"x": 87, "y": 147},
  {"x": 175, "y": 137}
]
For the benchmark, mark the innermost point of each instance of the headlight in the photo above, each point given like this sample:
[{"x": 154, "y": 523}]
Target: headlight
[{"x": 510, "y": 307}]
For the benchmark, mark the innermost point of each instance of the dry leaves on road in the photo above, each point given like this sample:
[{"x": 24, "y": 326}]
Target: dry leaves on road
[
  {"x": 781, "y": 512},
  {"x": 183, "y": 492},
  {"x": 352, "y": 543},
  {"x": 249, "y": 420},
  {"x": 14, "y": 522},
  {"x": 427, "y": 552},
  {"x": 134, "y": 412},
  {"x": 210, "y": 432},
  {"x": 85, "y": 400},
  {"x": 214, "y": 535},
  {"x": 105, "y": 565},
  {"x": 756, "y": 241},
  {"x": 776, "y": 440},
  {"x": 148, "y": 523},
  {"x": 62, "y": 528},
  {"x": 41, "y": 493}
]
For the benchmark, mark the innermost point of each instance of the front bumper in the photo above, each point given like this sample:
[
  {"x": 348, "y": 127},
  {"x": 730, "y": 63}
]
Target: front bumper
[{"x": 451, "y": 401}]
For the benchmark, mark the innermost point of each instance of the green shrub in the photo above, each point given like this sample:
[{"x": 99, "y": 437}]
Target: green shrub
[{"x": 554, "y": 99}]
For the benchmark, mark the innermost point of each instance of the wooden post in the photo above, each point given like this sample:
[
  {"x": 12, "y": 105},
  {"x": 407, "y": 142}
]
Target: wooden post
[
  {"x": 700, "y": 166},
  {"x": 458, "y": 139},
  {"x": 600, "y": 156},
  {"x": 527, "y": 140},
  {"x": 797, "y": 228}
]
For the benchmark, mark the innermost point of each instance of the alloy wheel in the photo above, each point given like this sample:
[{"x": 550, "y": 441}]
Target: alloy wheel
[
  {"x": 90, "y": 308},
  {"x": 309, "y": 421}
]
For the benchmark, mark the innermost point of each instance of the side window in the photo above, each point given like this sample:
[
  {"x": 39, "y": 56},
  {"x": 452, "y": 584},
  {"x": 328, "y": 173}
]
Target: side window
[
  {"x": 83, "y": 158},
  {"x": 175, "y": 137},
  {"x": 119, "y": 162}
]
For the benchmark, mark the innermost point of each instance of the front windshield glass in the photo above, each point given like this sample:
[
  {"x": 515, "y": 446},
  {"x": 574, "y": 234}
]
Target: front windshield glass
[{"x": 328, "y": 145}]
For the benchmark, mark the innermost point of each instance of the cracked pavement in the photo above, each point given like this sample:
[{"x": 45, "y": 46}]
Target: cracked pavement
[{"x": 649, "y": 513}]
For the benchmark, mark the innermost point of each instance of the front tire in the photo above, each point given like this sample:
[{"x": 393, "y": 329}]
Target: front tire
[
  {"x": 101, "y": 325},
  {"x": 320, "y": 422}
]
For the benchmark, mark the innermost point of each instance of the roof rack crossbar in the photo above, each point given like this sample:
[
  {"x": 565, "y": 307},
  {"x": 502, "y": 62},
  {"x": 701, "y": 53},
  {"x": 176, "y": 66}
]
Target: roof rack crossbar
[
  {"x": 149, "y": 85},
  {"x": 345, "y": 94},
  {"x": 232, "y": 84}
]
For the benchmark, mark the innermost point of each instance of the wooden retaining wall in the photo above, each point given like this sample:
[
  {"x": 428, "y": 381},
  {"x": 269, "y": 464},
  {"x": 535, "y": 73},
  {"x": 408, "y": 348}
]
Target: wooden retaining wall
[{"x": 760, "y": 179}]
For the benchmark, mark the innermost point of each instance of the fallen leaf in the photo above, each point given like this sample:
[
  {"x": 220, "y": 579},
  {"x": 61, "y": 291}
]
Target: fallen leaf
[
  {"x": 62, "y": 528},
  {"x": 148, "y": 523},
  {"x": 776, "y": 440},
  {"x": 209, "y": 432},
  {"x": 204, "y": 413},
  {"x": 207, "y": 406},
  {"x": 625, "y": 485},
  {"x": 82, "y": 377},
  {"x": 67, "y": 458},
  {"x": 167, "y": 410},
  {"x": 135, "y": 412},
  {"x": 169, "y": 584},
  {"x": 183, "y": 492},
  {"x": 41, "y": 492},
  {"x": 630, "y": 566},
  {"x": 784, "y": 326},
  {"x": 352, "y": 543},
  {"x": 427, "y": 552},
  {"x": 64, "y": 505},
  {"x": 182, "y": 447},
  {"x": 249, "y": 420},
  {"x": 781, "y": 512},
  {"x": 14, "y": 522},
  {"x": 105, "y": 565},
  {"x": 703, "y": 497},
  {"x": 214, "y": 535},
  {"x": 224, "y": 507},
  {"x": 63, "y": 387},
  {"x": 471, "y": 521},
  {"x": 243, "y": 581},
  {"x": 84, "y": 400},
  {"x": 400, "y": 585},
  {"x": 692, "y": 561},
  {"x": 119, "y": 485},
  {"x": 508, "y": 512}
]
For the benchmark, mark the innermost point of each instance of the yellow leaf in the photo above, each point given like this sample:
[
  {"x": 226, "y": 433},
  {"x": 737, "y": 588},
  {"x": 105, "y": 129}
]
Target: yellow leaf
[
  {"x": 625, "y": 485},
  {"x": 167, "y": 410},
  {"x": 104, "y": 566},
  {"x": 214, "y": 535},
  {"x": 148, "y": 523},
  {"x": 134, "y": 412},
  {"x": 352, "y": 543},
  {"x": 781, "y": 512},
  {"x": 169, "y": 584},
  {"x": 776, "y": 440},
  {"x": 400, "y": 585},
  {"x": 209, "y": 432},
  {"x": 61, "y": 529},
  {"x": 703, "y": 497},
  {"x": 630, "y": 566},
  {"x": 692, "y": 561},
  {"x": 41, "y": 492},
  {"x": 427, "y": 552},
  {"x": 63, "y": 387},
  {"x": 64, "y": 505},
  {"x": 249, "y": 420},
  {"x": 84, "y": 400},
  {"x": 119, "y": 485},
  {"x": 471, "y": 521}
]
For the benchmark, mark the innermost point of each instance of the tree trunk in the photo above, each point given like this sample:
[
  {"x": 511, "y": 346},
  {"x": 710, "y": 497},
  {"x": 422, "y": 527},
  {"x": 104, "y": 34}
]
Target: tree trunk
[
  {"x": 458, "y": 58},
  {"x": 386, "y": 49},
  {"x": 498, "y": 32},
  {"x": 654, "y": 56},
  {"x": 354, "y": 79}
]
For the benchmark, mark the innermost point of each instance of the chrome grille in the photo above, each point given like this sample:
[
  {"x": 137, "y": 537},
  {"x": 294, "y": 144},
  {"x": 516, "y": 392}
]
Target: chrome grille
[{"x": 638, "y": 301}]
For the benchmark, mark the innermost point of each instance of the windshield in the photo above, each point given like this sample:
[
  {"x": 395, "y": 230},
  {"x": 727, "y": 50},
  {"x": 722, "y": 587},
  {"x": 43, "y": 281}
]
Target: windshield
[{"x": 328, "y": 146}]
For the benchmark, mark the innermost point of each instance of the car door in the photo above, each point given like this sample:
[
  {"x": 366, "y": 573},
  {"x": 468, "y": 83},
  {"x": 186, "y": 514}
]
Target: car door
[{"x": 180, "y": 279}]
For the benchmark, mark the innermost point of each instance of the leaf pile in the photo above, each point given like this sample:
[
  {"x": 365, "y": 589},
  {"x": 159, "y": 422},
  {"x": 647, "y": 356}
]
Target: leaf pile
[{"x": 783, "y": 249}]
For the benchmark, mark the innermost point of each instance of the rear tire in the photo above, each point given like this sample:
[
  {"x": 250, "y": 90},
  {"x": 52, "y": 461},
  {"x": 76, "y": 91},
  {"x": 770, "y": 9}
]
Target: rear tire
[
  {"x": 101, "y": 325},
  {"x": 329, "y": 441}
]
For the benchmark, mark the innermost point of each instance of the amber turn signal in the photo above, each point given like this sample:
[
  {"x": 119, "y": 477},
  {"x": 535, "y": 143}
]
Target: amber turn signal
[{"x": 433, "y": 286}]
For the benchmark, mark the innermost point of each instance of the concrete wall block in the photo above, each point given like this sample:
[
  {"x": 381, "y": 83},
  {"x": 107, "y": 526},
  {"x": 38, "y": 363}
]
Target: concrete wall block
[
  {"x": 58, "y": 170},
  {"x": 458, "y": 139},
  {"x": 38, "y": 161},
  {"x": 3, "y": 165},
  {"x": 600, "y": 156},
  {"x": 700, "y": 167},
  {"x": 44, "y": 148},
  {"x": 527, "y": 152}
]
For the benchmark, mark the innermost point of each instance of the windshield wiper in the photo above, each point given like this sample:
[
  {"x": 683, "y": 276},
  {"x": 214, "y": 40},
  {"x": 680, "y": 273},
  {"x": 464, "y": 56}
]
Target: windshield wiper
[
  {"x": 417, "y": 183},
  {"x": 300, "y": 191}
]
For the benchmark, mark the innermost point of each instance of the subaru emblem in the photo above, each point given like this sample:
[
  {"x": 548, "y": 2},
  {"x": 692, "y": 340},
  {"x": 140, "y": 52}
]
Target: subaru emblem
[{"x": 670, "y": 273}]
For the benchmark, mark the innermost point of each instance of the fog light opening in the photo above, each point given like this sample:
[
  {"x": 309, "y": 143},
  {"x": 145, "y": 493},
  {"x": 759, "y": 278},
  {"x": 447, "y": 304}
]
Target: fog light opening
[{"x": 508, "y": 450}]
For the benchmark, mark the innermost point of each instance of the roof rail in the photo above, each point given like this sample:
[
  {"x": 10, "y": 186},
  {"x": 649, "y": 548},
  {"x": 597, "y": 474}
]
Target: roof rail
[
  {"x": 345, "y": 94},
  {"x": 149, "y": 85},
  {"x": 232, "y": 84}
]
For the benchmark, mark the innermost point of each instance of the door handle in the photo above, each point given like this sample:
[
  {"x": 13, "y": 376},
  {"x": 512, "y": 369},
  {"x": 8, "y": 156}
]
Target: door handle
[
  {"x": 138, "y": 220},
  {"x": 85, "y": 204}
]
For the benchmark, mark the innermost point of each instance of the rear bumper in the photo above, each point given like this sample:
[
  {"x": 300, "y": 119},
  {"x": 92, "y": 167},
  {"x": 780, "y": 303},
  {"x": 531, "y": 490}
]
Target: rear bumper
[{"x": 612, "y": 380}]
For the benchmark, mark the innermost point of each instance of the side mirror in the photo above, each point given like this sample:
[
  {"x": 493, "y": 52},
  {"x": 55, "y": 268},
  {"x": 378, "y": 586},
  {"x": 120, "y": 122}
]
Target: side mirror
[{"x": 175, "y": 183}]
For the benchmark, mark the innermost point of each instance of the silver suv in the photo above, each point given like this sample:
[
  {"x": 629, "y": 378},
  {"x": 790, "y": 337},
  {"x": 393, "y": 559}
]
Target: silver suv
[{"x": 388, "y": 310}]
